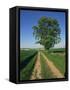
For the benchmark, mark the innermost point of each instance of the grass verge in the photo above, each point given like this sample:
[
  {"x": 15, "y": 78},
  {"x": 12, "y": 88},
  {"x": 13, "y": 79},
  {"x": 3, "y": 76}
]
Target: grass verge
[
  {"x": 58, "y": 60},
  {"x": 45, "y": 71}
]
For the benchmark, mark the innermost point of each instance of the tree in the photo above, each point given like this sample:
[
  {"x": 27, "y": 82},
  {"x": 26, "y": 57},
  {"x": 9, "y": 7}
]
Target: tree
[{"x": 47, "y": 32}]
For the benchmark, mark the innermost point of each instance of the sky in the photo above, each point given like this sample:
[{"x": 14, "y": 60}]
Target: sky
[{"x": 29, "y": 18}]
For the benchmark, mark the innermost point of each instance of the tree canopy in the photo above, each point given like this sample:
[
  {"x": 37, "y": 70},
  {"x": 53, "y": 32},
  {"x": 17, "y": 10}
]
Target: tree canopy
[{"x": 47, "y": 32}]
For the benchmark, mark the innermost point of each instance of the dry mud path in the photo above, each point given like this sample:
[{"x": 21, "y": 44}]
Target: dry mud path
[
  {"x": 36, "y": 74},
  {"x": 52, "y": 67}
]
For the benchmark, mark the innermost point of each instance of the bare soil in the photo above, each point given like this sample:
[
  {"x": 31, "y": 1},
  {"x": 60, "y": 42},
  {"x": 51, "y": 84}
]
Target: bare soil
[{"x": 36, "y": 74}]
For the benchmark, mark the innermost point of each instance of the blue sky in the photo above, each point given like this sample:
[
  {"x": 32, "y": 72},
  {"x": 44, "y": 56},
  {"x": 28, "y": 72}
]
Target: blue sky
[{"x": 29, "y": 18}]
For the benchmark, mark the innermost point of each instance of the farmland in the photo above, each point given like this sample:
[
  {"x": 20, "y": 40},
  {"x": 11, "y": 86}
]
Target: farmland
[{"x": 42, "y": 64}]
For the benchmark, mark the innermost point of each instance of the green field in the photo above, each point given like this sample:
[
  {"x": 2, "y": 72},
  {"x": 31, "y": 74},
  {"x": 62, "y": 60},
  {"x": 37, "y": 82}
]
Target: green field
[
  {"x": 28, "y": 60},
  {"x": 26, "y": 72},
  {"x": 26, "y": 53}
]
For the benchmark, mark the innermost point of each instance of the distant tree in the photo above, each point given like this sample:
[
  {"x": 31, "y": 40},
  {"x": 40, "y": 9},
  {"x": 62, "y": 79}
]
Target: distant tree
[{"x": 47, "y": 32}]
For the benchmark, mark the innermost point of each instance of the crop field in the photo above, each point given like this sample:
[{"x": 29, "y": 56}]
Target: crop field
[
  {"x": 42, "y": 64},
  {"x": 27, "y": 61}
]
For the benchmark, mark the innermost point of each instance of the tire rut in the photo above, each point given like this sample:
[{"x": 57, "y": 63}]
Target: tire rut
[
  {"x": 52, "y": 67},
  {"x": 36, "y": 74}
]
